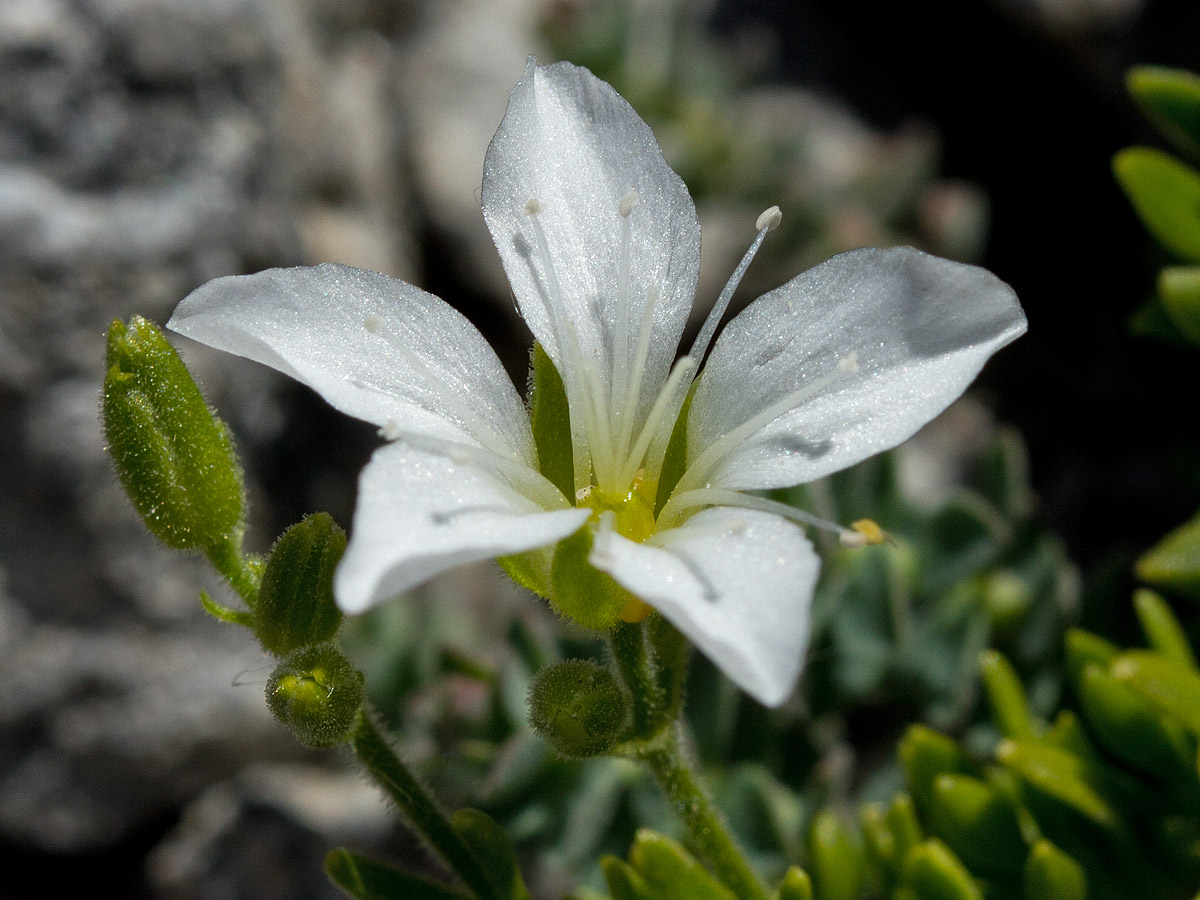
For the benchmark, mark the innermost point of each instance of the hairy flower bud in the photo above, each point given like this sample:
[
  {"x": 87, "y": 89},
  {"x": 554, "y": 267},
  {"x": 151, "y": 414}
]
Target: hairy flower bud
[
  {"x": 318, "y": 694},
  {"x": 577, "y": 707},
  {"x": 295, "y": 602},
  {"x": 173, "y": 456}
]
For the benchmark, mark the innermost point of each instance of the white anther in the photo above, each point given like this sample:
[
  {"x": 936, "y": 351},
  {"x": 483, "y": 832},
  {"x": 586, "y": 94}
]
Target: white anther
[
  {"x": 852, "y": 540},
  {"x": 373, "y": 323},
  {"x": 533, "y": 206},
  {"x": 628, "y": 202},
  {"x": 737, "y": 527},
  {"x": 769, "y": 219},
  {"x": 460, "y": 456},
  {"x": 848, "y": 363},
  {"x": 390, "y": 430}
]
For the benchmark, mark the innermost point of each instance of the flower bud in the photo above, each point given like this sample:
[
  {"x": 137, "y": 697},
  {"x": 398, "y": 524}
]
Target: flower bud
[
  {"x": 576, "y": 707},
  {"x": 295, "y": 601},
  {"x": 318, "y": 694},
  {"x": 173, "y": 456}
]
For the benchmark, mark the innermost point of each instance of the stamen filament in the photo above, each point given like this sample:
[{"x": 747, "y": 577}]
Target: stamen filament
[
  {"x": 620, "y": 362},
  {"x": 634, "y": 390},
  {"x": 766, "y": 222},
  {"x": 684, "y": 500},
  {"x": 600, "y": 428},
  {"x": 680, "y": 375}
]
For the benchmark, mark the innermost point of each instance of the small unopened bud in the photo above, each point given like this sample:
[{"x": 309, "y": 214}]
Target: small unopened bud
[
  {"x": 173, "y": 456},
  {"x": 317, "y": 694},
  {"x": 295, "y": 602},
  {"x": 577, "y": 707}
]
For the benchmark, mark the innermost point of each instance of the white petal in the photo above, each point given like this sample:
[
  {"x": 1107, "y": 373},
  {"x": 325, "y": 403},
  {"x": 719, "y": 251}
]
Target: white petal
[
  {"x": 373, "y": 346},
  {"x": 738, "y": 583},
  {"x": 421, "y": 513},
  {"x": 569, "y": 141},
  {"x": 859, "y": 352}
]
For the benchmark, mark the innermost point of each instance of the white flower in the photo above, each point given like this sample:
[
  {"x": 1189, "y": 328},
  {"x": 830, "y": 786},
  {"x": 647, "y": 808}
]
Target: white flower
[{"x": 601, "y": 244}]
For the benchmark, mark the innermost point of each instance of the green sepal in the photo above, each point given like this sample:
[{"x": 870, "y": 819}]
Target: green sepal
[
  {"x": 1172, "y": 687},
  {"x": 577, "y": 707},
  {"x": 550, "y": 417},
  {"x": 796, "y": 885},
  {"x": 1006, "y": 697},
  {"x": 530, "y": 570},
  {"x": 1051, "y": 874},
  {"x": 1179, "y": 291},
  {"x": 174, "y": 457},
  {"x": 295, "y": 599},
  {"x": 978, "y": 823},
  {"x": 492, "y": 849},
  {"x": 1061, "y": 775},
  {"x": 933, "y": 872},
  {"x": 623, "y": 882},
  {"x": 674, "y": 462},
  {"x": 318, "y": 694},
  {"x": 1166, "y": 195},
  {"x": 1162, "y": 629},
  {"x": 367, "y": 879},
  {"x": 835, "y": 859},
  {"x": 224, "y": 613},
  {"x": 670, "y": 872},
  {"x": 1174, "y": 563},
  {"x": 580, "y": 591},
  {"x": 1170, "y": 98}
]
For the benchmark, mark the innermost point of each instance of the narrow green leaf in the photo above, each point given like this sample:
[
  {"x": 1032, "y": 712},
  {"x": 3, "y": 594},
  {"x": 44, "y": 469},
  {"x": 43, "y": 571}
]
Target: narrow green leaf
[
  {"x": 1058, "y": 774},
  {"x": 835, "y": 858},
  {"x": 1166, "y": 195},
  {"x": 1083, "y": 649},
  {"x": 1171, "y": 686},
  {"x": 1051, "y": 874},
  {"x": 1130, "y": 727},
  {"x": 224, "y": 613},
  {"x": 1006, "y": 697},
  {"x": 978, "y": 824},
  {"x": 904, "y": 826},
  {"x": 926, "y": 754},
  {"x": 491, "y": 848},
  {"x": 551, "y": 420},
  {"x": 1162, "y": 629},
  {"x": 796, "y": 885},
  {"x": 933, "y": 872},
  {"x": 366, "y": 879},
  {"x": 878, "y": 839},
  {"x": 670, "y": 872},
  {"x": 1171, "y": 99},
  {"x": 623, "y": 882},
  {"x": 1179, "y": 291},
  {"x": 1174, "y": 563}
]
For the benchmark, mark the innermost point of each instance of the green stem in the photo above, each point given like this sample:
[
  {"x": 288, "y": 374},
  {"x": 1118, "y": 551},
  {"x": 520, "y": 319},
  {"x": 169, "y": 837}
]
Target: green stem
[
  {"x": 235, "y": 568},
  {"x": 637, "y": 672},
  {"x": 414, "y": 801},
  {"x": 710, "y": 838}
]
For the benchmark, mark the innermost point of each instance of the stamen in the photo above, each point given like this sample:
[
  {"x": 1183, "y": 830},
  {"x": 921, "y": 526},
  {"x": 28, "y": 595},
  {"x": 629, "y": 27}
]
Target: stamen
[
  {"x": 680, "y": 375},
  {"x": 684, "y": 500},
  {"x": 390, "y": 431},
  {"x": 633, "y": 391},
  {"x": 862, "y": 533},
  {"x": 849, "y": 363},
  {"x": 600, "y": 556},
  {"x": 766, "y": 222},
  {"x": 736, "y": 527},
  {"x": 533, "y": 206},
  {"x": 621, "y": 334},
  {"x": 599, "y": 427},
  {"x": 726, "y": 443},
  {"x": 628, "y": 202}
]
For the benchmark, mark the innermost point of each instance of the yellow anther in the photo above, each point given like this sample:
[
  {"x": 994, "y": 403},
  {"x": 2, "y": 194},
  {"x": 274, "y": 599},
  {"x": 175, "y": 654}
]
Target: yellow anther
[{"x": 870, "y": 531}]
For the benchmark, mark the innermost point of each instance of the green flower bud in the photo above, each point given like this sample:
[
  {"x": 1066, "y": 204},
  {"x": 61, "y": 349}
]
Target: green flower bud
[
  {"x": 318, "y": 694},
  {"x": 295, "y": 601},
  {"x": 577, "y": 707},
  {"x": 173, "y": 456}
]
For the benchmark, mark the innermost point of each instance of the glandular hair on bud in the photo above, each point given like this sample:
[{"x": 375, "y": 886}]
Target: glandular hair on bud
[
  {"x": 295, "y": 601},
  {"x": 577, "y": 707},
  {"x": 174, "y": 457},
  {"x": 317, "y": 694}
]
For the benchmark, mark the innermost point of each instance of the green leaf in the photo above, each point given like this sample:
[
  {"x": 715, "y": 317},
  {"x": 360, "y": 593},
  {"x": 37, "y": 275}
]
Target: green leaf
[
  {"x": 1083, "y": 649},
  {"x": 366, "y": 879},
  {"x": 835, "y": 858},
  {"x": 491, "y": 848},
  {"x": 1166, "y": 195},
  {"x": 670, "y": 872},
  {"x": 1171, "y": 686},
  {"x": 926, "y": 754},
  {"x": 1162, "y": 629},
  {"x": 933, "y": 872},
  {"x": 623, "y": 882},
  {"x": 1059, "y": 774},
  {"x": 224, "y": 613},
  {"x": 1006, "y": 697},
  {"x": 1174, "y": 563},
  {"x": 1051, "y": 874},
  {"x": 905, "y": 828},
  {"x": 796, "y": 885},
  {"x": 1179, "y": 291},
  {"x": 174, "y": 457},
  {"x": 1171, "y": 99},
  {"x": 1128, "y": 726},
  {"x": 295, "y": 599},
  {"x": 977, "y": 823},
  {"x": 551, "y": 420}
]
